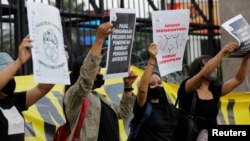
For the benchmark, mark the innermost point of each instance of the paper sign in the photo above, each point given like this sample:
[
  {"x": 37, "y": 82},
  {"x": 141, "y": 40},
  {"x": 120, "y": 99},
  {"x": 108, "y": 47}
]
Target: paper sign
[
  {"x": 170, "y": 33},
  {"x": 120, "y": 42},
  {"x": 48, "y": 54},
  {"x": 239, "y": 28},
  {"x": 15, "y": 120}
]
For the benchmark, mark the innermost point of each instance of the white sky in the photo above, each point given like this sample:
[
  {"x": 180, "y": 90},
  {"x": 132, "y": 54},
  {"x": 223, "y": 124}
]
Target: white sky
[{"x": 141, "y": 6}]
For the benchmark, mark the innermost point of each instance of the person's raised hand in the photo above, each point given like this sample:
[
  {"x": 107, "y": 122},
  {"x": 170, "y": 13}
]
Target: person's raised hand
[
  {"x": 104, "y": 30},
  {"x": 130, "y": 79},
  {"x": 24, "y": 51},
  {"x": 229, "y": 48},
  {"x": 152, "y": 50}
]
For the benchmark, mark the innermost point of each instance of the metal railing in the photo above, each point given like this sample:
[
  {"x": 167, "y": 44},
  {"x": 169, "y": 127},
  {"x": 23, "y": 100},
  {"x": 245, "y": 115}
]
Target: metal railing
[{"x": 80, "y": 19}]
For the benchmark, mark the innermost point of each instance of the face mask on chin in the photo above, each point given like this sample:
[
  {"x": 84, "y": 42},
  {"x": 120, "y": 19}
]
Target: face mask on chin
[
  {"x": 99, "y": 81},
  {"x": 156, "y": 92},
  {"x": 9, "y": 88}
]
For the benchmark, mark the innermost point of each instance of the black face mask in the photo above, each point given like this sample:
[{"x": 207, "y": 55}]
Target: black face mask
[
  {"x": 9, "y": 88},
  {"x": 156, "y": 92},
  {"x": 99, "y": 81}
]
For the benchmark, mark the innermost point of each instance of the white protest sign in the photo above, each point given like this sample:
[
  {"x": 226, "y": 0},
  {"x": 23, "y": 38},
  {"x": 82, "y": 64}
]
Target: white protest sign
[
  {"x": 120, "y": 42},
  {"x": 170, "y": 33},
  {"x": 239, "y": 28},
  {"x": 49, "y": 60}
]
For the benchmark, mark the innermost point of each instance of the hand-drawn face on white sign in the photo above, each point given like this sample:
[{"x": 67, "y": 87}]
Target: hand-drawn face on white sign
[
  {"x": 48, "y": 54},
  {"x": 50, "y": 44}
]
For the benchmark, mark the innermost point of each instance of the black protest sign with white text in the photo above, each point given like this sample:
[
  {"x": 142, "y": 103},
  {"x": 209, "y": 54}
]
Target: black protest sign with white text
[{"x": 121, "y": 41}]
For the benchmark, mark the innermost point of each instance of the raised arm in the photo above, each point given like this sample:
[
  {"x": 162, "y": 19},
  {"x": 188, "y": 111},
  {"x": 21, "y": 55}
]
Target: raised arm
[
  {"x": 85, "y": 68},
  {"x": 125, "y": 108},
  {"x": 128, "y": 82},
  {"x": 36, "y": 93},
  {"x": 91, "y": 65},
  {"x": 24, "y": 54},
  {"x": 145, "y": 79},
  {"x": 238, "y": 78},
  {"x": 208, "y": 68},
  {"x": 102, "y": 33}
]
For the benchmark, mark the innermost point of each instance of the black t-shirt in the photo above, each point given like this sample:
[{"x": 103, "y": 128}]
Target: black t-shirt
[
  {"x": 204, "y": 108},
  {"x": 108, "y": 128},
  {"x": 18, "y": 100},
  {"x": 157, "y": 127}
]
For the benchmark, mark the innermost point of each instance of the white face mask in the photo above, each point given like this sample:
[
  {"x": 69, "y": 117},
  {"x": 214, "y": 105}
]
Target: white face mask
[{"x": 213, "y": 75}]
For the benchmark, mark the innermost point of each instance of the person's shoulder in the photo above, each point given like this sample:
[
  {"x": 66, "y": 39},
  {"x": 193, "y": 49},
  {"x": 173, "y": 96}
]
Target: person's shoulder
[
  {"x": 184, "y": 82},
  {"x": 20, "y": 94},
  {"x": 98, "y": 94}
]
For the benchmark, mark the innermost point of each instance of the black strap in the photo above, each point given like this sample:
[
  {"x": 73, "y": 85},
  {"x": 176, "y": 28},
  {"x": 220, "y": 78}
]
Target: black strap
[
  {"x": 146, "y": 115},
  {"x": 192, "y": 104}
]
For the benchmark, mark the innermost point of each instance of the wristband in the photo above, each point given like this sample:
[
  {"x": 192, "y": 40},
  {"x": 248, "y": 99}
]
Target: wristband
[
  {"x": 151, "y": 63},
  {"x": 128, "y": 89}
]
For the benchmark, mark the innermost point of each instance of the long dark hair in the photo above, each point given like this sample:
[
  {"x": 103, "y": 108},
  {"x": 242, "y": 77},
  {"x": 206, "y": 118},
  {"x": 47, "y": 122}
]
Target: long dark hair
[{"x": 198, "y": 64}]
